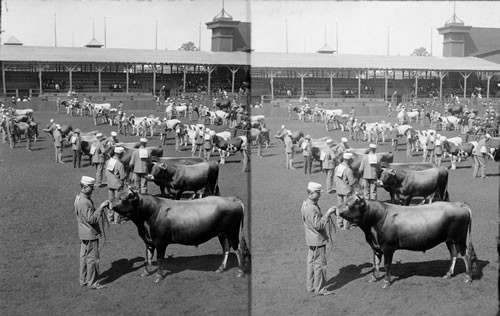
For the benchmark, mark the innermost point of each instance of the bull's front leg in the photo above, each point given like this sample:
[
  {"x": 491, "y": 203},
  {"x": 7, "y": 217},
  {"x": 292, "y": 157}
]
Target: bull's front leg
[
  {"x": 452, "y": 248},
  {"x": 148, "y": 270},
  {"x": 387, "y": 265},
  {"x": 160, "y": 257},
  {"x": 225, "y": 249},
  {"x": 377, "y": 258}
]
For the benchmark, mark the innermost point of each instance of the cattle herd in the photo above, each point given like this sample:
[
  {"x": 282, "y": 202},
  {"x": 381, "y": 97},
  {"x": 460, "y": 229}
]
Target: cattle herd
[
  {"x": 188, "y": 208},
  {"x": 208, "y": 216}
]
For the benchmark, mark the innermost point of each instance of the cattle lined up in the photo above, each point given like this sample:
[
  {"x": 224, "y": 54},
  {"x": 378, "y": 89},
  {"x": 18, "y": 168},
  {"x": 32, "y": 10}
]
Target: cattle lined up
[
  {"x": 209, "y": 215},
  {"x": 421, "y": 227}
]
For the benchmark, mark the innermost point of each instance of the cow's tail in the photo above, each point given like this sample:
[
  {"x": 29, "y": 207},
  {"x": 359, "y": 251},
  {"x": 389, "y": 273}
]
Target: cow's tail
[
  {"x": 470, "y": 253},
  {"x": 243, "y": 247}
]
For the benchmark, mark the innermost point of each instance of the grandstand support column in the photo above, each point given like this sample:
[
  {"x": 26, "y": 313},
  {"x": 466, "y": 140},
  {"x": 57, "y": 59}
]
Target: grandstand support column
[
  {"x": 386, "y": 85},
  {"x": 99, "y": 70},
  {"x": 359, "y": 84},
  {"x": 4, "y": 67},
  {"x": 210, "y": 69},
  {"x": 331, "y": 75},
  {"x": 154, "y": 79},
  {"x": 40, "y": 68},
  {"x": 441, "y": 75},
  {"x": 184, "y": 71},
  {"x": 416, "y": 74},
  {"x": 70, "y": 69},
  {"x": 233, "y": 72},
  {"x": 488, "y": 76},
  {"x": 126, "y": 78},
  {"x": 465, "y": 75},
  {"x": 271, "y": 75},
  {"x": 302, "y": 75}
]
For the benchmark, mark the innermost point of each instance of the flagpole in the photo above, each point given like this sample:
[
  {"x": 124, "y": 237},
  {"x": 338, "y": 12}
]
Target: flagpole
[
  {"x": 156, "y": 36},
  {"x": 337, "y": 36},
  {"x": 104, "y": 32},
  {"x": 388, "y": 39},
  {"x": 55, "y": 30},
  {"x": 286, "y": 34}
]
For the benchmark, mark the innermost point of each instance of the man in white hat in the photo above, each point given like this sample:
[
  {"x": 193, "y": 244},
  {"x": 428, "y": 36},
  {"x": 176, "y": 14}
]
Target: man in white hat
[
  {"x": 58, "y": 143},
  {"x": 97, "y": 151},
  {"x": 318, "y": 228},
  {"x": 480, "y": 152},
  {"x": 208, "y": 143},
  {"x": 430, "y": 145},
  {"x": 344, "y": 184},
  {"x": 140, "y": 163},
  {"x": 76, "y": 146},
  {"x": 199, "y": 136},
  {"x": 112, "y": 140},
  {"x": 115, "y": 175},
  {"x": 89, "y": 230},
  {"x": 329, "y": 165},
  {"x": 307, "y": 153},
  {"x": 5, "y": 126},
  {"x": 341, "y": 147},
  {"x": 289, "y": 150},
  {"x": 369, "y": 168}
]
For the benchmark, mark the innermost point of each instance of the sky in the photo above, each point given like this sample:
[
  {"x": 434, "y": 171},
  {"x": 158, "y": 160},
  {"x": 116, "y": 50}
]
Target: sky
[{"x": 359, "y": 27}]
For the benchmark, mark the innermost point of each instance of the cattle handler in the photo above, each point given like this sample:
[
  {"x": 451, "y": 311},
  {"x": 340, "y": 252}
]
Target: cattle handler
[
  {"x": 115, "y": 175},
  {"x": 140, "y": 163},
  {"x": 90, "y": 227},
  {"x": 369, "y": 168},
  {"x": 97, "y": 151},
  {"x": 344, "y": 183},
  {"x": 318, "y": 228}
]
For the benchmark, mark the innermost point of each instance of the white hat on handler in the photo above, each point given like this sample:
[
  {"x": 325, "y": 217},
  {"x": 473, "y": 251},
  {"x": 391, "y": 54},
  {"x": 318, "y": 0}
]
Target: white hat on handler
[
  {"x": 58, "y": 126},
  {"x": 347, "y": 155},
  {"x": 51, "y": 120},
  {"x": 98, "y": 135},
  {"x": 487, "y": 135},
  {"x": 289, "y": 132},
  {"x": 143, "y": 140},
  {"x": 329, "y": 141},
  {"x": 119, "y": 150},
  {"x": 373, "y": 146},
  {"x": 87, "y": 180},
  {"x": 314, "y": 187},
  {"x": 113, "y": 133},
  {"x": 282, "y": 126},
  {"x": 344, "y": 140}
]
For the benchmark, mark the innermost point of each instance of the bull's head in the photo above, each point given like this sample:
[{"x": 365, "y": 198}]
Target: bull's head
[
  {"x": 353, "y": 209},
  {"x": 387, "y": 176},
  {"x": 126, "y": 203}
]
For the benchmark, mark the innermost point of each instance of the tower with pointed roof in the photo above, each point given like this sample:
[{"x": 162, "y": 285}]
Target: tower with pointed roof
[
  {"x": 229, "y": 35},
  {"x": 454, "y": 32}
]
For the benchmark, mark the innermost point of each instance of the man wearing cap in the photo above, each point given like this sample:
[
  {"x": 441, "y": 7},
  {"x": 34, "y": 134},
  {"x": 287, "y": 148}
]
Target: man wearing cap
[
  {"x": 5, "y": 125},
  {"x": 58, "y": 143},
  {"x": 89, "y": 230},
  {"x": 329, "y": 165},
  {"x": 198, "y": 141},
  {"x": 289, "y": 150},
  {"x": 482, "y": 149},
  {"x": 438, "y": 151},
  {"x": 76, "y": 146},
  {"x": 307, "y": 153},
  {"x": 369, "y": 168},
  {"x": 97, "y": 151},
  {"x": 115, "y": 175},
  {"x": 140, "y": 164},
  {"x": 344, "y": 183},
  {"x": 51, "y": 127},
  {"x": 429, "y": 147},
  {"x": 318, "y": 228},
  {"x": 341, "y": 147},
  {"x": 208, "y": 144},
  {"x": 112, "y": 140}
]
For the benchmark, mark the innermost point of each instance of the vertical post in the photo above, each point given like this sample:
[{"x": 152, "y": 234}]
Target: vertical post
[
  {"x": 441, "y": 77},
  {"x": 488, "y": 75},
  {"x": 233, "y": 71},
  {"x": 3, "y": 80},
  {"x": 210, "y": 69},
  {"x": 40, "y": 78},
  {"x": 386, "y": 87},
  {"x": 465, "y": 75},
  {"x": 272, "y": 85},
  {"x": 416, "y": 85},
  {"x": 154, "y": 79},
  {"x": 359, "y": 84},
  {"x": 184, "y": 70},
  {"x": 331, "y": 74},
  {"x": 302, "y": 76},
  {"x": 126, "y": 78},
  {"x": 99, "y": 84}
]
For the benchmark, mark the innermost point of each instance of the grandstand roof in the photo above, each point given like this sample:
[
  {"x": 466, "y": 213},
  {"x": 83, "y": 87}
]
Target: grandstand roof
[
  {"x": 43, "y": 54},
  {"x": 370, "y": 62}
]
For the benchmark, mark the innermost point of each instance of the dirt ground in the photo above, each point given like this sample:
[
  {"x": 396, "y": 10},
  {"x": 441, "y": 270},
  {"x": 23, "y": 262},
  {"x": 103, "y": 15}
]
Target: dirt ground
[
  {"x": 40, "y": 247},
  {"x": 279, "y": 251}
]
